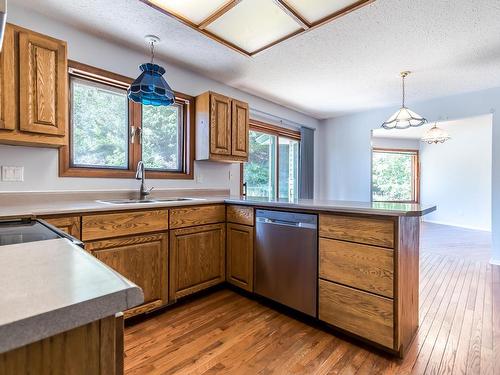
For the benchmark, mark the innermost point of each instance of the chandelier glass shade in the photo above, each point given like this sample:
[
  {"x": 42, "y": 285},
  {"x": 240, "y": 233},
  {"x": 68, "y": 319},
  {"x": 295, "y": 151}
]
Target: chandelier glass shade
[
  {"x": 435, "y": 135},
  {"x": 404, "y": 118}
]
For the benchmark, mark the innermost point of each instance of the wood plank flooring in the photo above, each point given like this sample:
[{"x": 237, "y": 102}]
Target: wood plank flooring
[{"x": 226, "y": 333}]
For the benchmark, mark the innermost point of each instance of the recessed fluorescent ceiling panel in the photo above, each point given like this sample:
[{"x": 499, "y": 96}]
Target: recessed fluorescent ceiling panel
[
  {"x": 253, "y": 24},
  {"x": 316, "y": 10},
  {"x": 195, "y": 11}
]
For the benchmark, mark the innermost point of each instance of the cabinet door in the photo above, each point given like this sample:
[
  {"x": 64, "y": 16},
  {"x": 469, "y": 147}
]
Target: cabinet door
[
  {"x": 239, "y": 131},
  {"x": 43, "y": 85},
  {"x": 70, "y": 224},
  {"x": 8, "y": 102},
  {"x": 197, "y": 259},
  {"x": 141, "y": 259},
  {"x": 220, "y": 124},
  {"x": 239, "y": 260}
]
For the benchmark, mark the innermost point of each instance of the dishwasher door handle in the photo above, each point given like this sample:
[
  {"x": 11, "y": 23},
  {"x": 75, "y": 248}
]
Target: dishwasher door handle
[{"x": 296, "y": 224}]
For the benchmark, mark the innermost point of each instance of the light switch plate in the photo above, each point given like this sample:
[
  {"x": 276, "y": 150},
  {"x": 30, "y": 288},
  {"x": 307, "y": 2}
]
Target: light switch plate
[{"x": 12, "y": 174}]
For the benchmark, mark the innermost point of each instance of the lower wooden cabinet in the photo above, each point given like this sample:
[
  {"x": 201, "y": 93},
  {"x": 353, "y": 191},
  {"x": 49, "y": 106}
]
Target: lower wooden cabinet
[
  {"x": 95, "y": 348},
  {"x": 68, "y": 224},
  {"x": 197, "y": 258},
  {"x": 239, "y": 256},
  {"x": 364, "y": 314},
  {"x": 142, "y": 259}
]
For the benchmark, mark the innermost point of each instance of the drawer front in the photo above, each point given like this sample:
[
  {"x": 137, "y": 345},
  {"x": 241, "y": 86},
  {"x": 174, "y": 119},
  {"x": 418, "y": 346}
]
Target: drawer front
[
  {"x": 240, "y": 215},
  {"x": 191, "y": 216},
  {"x": 371, "y": 231},
  {"x": 123, "y": 224},
  {"x": 69, "y": 224},
  {"x": 361, "y": 266},
  {"x": 358, "y": 312}
]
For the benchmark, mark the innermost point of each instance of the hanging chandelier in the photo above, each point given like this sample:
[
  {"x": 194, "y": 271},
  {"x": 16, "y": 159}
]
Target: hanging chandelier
[
  {"x": 150, "y": 88},
  {"x": 435, "y": 135},
  {"x": 404, "y": 117}
]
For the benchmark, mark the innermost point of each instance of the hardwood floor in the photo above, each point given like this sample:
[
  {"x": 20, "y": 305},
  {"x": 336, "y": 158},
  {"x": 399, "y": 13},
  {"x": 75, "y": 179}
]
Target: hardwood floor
[{"x": 226, "y": 333}]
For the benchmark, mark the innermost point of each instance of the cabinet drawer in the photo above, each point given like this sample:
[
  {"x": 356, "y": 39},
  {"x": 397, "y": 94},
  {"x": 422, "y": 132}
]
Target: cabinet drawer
[
  {"x": 358, "y": 312},
  {"x": 240, "y": 215},
  {"x": 123, "y": 224},
  {"x": 371, "y": 231},
  {"x": 69, "y": 224},
  {"x": 361, "y": 266},
  {"x": 191, "y": 216}
]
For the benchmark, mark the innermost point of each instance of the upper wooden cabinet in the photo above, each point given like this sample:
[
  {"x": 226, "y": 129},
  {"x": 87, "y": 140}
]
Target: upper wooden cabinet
[
  {"x": 221, "y": 128},
  {"x": 33, "y": 89}
]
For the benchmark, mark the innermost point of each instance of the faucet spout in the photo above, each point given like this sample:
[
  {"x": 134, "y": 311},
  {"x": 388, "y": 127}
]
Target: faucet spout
[{"x": 140, "y": 175}]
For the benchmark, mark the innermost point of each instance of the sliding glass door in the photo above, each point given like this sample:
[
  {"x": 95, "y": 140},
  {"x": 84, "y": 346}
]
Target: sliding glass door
[
  {"x": 272, "y": 170},
  {"x": 260, "y": 171}
]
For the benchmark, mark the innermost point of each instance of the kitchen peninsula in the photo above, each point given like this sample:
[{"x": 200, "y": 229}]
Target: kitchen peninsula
[{"x": 368, "y": 253}]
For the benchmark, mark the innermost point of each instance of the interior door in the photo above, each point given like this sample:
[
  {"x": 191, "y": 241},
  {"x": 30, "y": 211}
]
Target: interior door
[
  {"x": 43, "y": 87},
  {"x": 220, "y": 124},
  {"x": 239, "y": 131}
]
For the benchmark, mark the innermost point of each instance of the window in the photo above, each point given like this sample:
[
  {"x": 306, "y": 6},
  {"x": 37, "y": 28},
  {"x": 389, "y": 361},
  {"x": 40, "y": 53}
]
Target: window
[
  {"x": 395, "y": 175},
  {"x": 99, "y": 117},
  {"x": 109, "y": 134},
  {"x": 273, "y": 162}
]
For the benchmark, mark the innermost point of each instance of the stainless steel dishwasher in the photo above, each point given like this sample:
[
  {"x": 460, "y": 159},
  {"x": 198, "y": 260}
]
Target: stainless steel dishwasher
[{"x": 286, "y": 259}]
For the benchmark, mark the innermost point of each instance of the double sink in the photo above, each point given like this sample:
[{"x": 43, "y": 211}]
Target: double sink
[{"x": 151, "y": 200}]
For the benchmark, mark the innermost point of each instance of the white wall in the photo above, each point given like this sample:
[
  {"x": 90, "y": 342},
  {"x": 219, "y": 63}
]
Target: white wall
[
  {"x": 41, "y": 164},
  {"x": 457, "y": 174},
  {"x": 346, "y": 144},
  {"x": 396, "y": 143}
]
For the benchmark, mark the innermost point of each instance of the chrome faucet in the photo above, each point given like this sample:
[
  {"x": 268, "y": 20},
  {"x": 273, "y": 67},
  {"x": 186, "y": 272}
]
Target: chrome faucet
[{"x": 139, "y": 175}]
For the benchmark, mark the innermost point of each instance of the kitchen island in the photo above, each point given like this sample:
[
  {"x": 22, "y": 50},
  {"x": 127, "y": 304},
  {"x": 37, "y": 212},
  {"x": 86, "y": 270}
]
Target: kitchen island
[
  {"x": 59, "y": 310},
  {"x": 368, "y": 253}
]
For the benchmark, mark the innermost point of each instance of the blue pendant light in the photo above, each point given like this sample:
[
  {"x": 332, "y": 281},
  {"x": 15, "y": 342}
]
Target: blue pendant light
[{"x": 150, "y": 88}]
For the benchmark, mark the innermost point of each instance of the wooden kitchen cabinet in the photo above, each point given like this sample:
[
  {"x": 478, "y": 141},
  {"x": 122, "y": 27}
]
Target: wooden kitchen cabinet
[
  {"x": 222, "y": 126},
  {"x": 197, "y": 259},
  {"x": 143, "y": 259},
  {"x": 239, "y": 256},
  {"x": 68, "y": 224},
  {"x": 33, "y": 89}
]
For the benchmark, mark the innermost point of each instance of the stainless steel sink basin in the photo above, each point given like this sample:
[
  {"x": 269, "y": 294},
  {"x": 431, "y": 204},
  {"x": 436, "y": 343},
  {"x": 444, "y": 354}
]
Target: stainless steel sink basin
[{"x": 145, "y": 201}]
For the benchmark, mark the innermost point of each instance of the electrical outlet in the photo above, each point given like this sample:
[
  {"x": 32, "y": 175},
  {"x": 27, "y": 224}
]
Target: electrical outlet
[
  {"x": 199, "y": 178},
  {"x": 12, "y": 174}
]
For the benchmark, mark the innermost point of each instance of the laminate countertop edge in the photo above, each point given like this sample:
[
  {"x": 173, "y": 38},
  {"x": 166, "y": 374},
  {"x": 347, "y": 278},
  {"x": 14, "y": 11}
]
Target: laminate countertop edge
[
  {"x": 81, "y": 290},
  {"x": 79, "y": 207}
]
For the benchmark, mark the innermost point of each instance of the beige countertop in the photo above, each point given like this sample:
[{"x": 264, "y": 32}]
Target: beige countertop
[
  {"x": 40, "y": 204},
  {"x": 49, "y": 287}
]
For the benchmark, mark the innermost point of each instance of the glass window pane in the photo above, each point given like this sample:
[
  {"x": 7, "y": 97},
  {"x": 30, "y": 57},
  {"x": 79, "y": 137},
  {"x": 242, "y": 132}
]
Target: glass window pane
[
  {"x": 99, "y": 120},
  {"x": 260, "y": 171},
  {"x": 393, "y": 176},
  {"x": 288, "y": 168},
  {"x": 161, "y": 137}
]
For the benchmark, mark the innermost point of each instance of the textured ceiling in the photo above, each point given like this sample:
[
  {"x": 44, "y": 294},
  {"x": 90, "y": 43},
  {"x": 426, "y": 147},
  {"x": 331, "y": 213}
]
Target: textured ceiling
[{"x": 348, "y": 65}]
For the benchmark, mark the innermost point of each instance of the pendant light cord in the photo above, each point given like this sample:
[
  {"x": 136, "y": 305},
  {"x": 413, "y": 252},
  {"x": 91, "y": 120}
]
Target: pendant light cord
[
  {"x": 403, "y": 90},
  {"x": 152, "y": 52}
]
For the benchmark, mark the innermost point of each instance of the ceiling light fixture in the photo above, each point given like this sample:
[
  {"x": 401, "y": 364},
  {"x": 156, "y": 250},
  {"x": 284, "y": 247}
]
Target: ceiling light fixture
[
  {"x": 435, "y": 135},
  {"x": 150, "y": 88},
  {"x": 404, "y": 117}
]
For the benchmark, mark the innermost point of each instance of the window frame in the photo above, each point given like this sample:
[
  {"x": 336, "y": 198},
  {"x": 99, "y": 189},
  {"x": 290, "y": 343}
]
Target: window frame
[
  {"x": 415, "y": 175},
  {"x": 279, "y": 132},
  {"x": 93, "y": 74}
]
